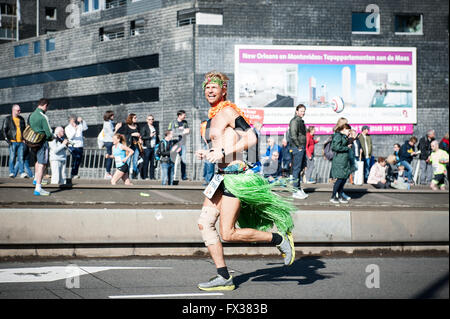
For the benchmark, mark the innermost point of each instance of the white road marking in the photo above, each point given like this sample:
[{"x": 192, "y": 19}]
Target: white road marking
[
  {"x": 53, "y": 273},
  {"x": 168, "y": 295}
]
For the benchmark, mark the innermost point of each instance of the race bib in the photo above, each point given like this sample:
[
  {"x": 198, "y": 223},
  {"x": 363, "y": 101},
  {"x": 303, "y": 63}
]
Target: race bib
[
  {"x": 119, "y": 161},
  {"x": 211, "y": 189}
]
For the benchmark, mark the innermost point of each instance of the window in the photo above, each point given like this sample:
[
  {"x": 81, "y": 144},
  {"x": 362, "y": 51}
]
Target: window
[
  {"x": 91, "y": 5},
  {"x": 7, "y": 34},
  {"x": 137, "y": 27},
  {"x": 102, "y": 99},
  {"x": 50, "y": 13},
  {"x": 6, "y": 9},
  {"x": 111, "y": 67},
  {"x": 50, "y": 44},
  {"x": 365, "y": 23},
  {"x": 111, "y": 32},
  {"x": 408, "y": 24},
  {"x": 37, "y": 47},
  {"x": 200, "y": 16},
  {"x": 392, "y": 98},
  {"x": 186, "y": 17},
  {"x": 21, "y": 50}
]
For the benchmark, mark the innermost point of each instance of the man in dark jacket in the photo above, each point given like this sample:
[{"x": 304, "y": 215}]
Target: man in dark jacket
[
  {"x": 366, "y": 145},
  {"x": 424, "y": 146},
  {"x": 13, "y": 127},
  {"x": 406, "y": 153},
  {"x": 149, "y": 135},
  {"x": 286, "y": 158},
  {"x": 297, "y": 142},
  {"x": 181, "y": 129}
]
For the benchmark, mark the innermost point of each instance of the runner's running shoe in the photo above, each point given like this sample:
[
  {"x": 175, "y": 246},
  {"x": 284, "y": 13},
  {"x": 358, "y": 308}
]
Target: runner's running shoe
[
  {"x": 41, "y": 193},
  {"x": 217, "y": 283},
  {"x": 287, "y": 248}
]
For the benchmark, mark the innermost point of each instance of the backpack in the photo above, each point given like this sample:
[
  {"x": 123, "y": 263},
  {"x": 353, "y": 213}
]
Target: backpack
[
  {"x": 157, "y": 152},
  {"x": 327, "y": 151}
]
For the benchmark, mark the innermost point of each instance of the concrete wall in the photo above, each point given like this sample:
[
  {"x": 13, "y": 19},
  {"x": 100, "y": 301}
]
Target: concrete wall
[{"x": 109, "y": 226}]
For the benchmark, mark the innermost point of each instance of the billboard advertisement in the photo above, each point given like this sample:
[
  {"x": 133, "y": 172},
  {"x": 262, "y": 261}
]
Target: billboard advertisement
[{"x": 374, "y": 86}]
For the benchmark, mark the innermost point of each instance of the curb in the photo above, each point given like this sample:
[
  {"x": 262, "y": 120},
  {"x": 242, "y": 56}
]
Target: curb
[
  {"x": 179, "y": 226},
  {"x": 201, "y": 188}
]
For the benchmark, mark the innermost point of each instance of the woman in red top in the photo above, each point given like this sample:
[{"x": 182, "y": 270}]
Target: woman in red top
[{"x": 310, "y": 142}]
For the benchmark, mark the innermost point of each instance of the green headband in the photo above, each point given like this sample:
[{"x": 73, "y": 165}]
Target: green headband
[{"x": 214, "y": 79}]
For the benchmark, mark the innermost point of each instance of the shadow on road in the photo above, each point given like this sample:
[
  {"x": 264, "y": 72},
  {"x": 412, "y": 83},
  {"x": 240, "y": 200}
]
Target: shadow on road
[
  {"x": 431, "y": 291},
  {"x": 303, "y": 271}
]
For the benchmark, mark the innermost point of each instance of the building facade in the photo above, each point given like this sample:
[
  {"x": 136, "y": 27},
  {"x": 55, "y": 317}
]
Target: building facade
[
  {"x": 36, "y": 17},
  {"x": 150, "y": 56}
]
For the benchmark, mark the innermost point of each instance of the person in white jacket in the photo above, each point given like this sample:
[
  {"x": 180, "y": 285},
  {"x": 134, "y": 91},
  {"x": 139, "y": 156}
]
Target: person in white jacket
[
  {"x": 377, "y": 175},
  {"x": 74, "y": 132},
  {"x": 58, "y": 147}
]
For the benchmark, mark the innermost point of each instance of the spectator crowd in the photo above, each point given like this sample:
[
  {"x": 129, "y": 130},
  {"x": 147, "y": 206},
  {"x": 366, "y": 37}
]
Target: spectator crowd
[{"x": 137, "y": 150}]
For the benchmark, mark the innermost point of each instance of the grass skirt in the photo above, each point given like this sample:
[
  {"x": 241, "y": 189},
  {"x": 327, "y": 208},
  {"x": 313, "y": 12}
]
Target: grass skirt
[{"x": 261, "y": 208}]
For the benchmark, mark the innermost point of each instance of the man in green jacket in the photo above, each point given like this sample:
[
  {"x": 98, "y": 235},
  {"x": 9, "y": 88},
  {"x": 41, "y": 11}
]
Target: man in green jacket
[
  {"x": 297, "y": 140},
  {"x": 38, "y": 122}
]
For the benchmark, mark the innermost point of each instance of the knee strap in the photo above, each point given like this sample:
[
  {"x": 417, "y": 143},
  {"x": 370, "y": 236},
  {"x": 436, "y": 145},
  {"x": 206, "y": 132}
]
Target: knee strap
[{"x": 207, "y": 221}]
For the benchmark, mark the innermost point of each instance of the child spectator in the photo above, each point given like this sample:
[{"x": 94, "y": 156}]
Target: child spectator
[
  {"x": 397, "y": 152},
  {"x": 402, "y": 181},
  {"x": 310, "y": 142},
  {"x": 355, "y": 152},
  {"x": 167, "y": 151},
  {"x": 391, "y": 169}
]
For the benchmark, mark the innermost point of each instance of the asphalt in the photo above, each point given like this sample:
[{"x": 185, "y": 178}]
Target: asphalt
[
  {"x": 83, "y": 193},
  {"x": 310, "y": 277},
  {"x": 257, "y": 278}
]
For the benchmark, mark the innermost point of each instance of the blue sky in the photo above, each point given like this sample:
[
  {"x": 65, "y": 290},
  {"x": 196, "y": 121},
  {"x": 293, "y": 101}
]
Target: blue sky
[{"x": 331, "y": 75}]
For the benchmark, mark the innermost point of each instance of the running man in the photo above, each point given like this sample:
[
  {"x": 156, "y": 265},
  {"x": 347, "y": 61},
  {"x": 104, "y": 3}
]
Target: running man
[{"x": 236, "y": 194}]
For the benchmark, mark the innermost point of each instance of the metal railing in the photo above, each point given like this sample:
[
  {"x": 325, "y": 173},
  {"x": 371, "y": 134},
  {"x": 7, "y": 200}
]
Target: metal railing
[
  {"x": 137, "y": 31},
  {"x": 112, "y": 36},
  {"x": 186, "y": 21},
  {"x": 115, "y": 3},
  {"x": 93, "y": 165}
]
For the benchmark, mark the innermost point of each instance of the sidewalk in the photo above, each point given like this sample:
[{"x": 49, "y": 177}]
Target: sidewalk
[{"x": 189, "y": 195}]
